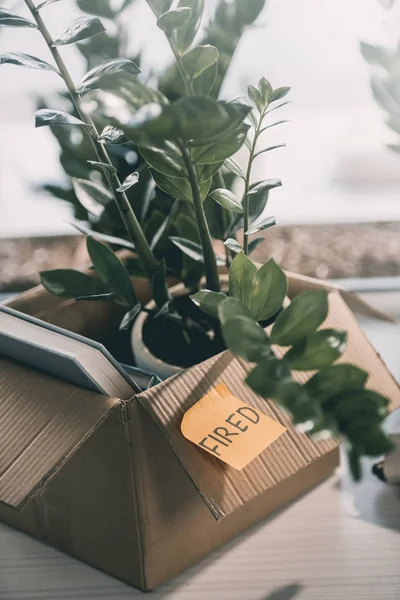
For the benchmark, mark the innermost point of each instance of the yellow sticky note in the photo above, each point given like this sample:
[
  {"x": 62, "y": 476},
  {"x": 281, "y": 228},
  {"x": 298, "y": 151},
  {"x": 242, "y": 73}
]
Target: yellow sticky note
[{"x": 228, "y": 428}]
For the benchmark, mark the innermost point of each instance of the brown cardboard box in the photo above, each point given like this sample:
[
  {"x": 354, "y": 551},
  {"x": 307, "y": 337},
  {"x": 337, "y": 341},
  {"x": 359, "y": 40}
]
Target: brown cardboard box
[{"x": 115, "y": 484}]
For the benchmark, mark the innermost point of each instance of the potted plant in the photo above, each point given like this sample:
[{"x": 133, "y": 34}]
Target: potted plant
[
  {"x": 152, "y": 205},
  {"x": 188, "y": 146}
]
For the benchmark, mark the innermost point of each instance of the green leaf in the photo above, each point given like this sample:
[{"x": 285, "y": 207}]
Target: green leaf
[
  {"x": 111, "y": 271},
  {"x": 173, "y": 19},
  {"x": 394, "y": 148},
  {"x": 353, "y": 404},
  {"x": 257, "y": 204},
  {"x": 247, "y": 12},
  {"x": 193, "y": 250},
  {"x": 273, "y": 125},
  {"x": 93, "y": 196},
  {"x": 265, "y": 89},
  {"x": 253, "y": 244},
  {"x": 159, "y": 6},
  {"x": 198, "y": 59},
  {"x": 174, "y": 186},
  {"x": 227, "y": 199},
  {"x": 221, "y": 149},
  {"x": 163, "y": 224},
  {"x": 301, "y": 318},
  {"x": 207, "y": 171},
  {"x": 179, "y": 188},
  {"x": 109, "y": 239},
  {"x": 269, "y": 149},
  {"x": 261, "y": 225},
  {"x": 45, "y": 117},
  {"x": 26, "y": 60},
  {"x": 101, "y": 8},
  {"x": 131, "y": 95},
  {"x": 394, "y": 123},
  {"x": 353, "y": 457},
  {"x": 68, "y": 283},
  {"x": 376, "y": 55},
  {"x": 209, "y": 301},
  {"x": 165, "y": 158},
  {"x": 112, "y": 135},
  {"x": 81, "y": 29},
  {"x": 197, "y": 119},
  {"x": 365, "y": 435},
  {"x": 128, "y": 182},
  {"x": 241, "y": 275},
  {"x": 382, "y": 96},
  {"x": 318, "y": 350},
  {"x": 107, "y": 167},
  {"x": 255, "y": 96},
  {"x": 204, "y": 83},
  {"x": 264, "y": 186},
  {"x": 130, "y": 317},
  {"x": 234, "y": 167},
  {"x": 10, "y": 19},
  {"x": 277, "y": 106},
  {"x": 184, "y": 36},
  {"x": 159, "y": 286},
  {"x": 254, "y": 121},
  {"x": 45, "y": 3},
  {"x": 136, "y": 110},
  {"x": 279, "y": 93},
  {"x": 242, "y": 335},
  {"x": 115, "y": 65},
  {"x": 335, "y": 380},
  {"x": 233, "y": 245},
  {"x": 126, "y": 4},
  {"x": 233, "y": 308},
  {"x": 269, "y": 291},
  {"x": 266, "y": 376}
]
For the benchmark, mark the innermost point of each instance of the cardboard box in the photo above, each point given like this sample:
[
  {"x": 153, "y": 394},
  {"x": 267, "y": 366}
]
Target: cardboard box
[{"x": 115, "y": 484}]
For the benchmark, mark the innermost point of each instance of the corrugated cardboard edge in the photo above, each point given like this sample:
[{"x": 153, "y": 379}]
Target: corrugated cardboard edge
[
  {"x": 129, "y": 423},
  {"x": 300, "y": 283},
  {"x": 47, "y": 438}
]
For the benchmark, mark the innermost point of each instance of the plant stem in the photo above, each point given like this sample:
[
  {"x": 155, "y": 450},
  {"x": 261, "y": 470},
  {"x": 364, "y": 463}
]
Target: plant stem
[
  {"x": 128, "y": 216},
  {"x": 210, "y": 261},
  {"x": 188, "y": 84},
  {"x": 220, "y": 183},
  {"x": 247, "y": 186}
]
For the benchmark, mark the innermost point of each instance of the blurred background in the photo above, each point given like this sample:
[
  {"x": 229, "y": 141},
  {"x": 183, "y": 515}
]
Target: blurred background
[{"x": 338, "y": 211}]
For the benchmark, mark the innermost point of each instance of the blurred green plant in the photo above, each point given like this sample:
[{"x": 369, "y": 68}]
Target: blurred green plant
[{"x": 385, "y": 82}]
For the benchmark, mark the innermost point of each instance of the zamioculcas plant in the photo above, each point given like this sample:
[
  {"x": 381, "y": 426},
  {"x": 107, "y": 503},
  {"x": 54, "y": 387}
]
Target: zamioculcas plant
[
  {"x": 188, "y": 144},
  {"x": 155, "y": 209},
  {"x": 334, "y": 402}
]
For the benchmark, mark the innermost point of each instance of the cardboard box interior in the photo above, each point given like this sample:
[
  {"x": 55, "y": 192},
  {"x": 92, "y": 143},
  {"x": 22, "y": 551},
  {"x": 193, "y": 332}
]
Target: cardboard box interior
[{"x": 115, "y": 483}]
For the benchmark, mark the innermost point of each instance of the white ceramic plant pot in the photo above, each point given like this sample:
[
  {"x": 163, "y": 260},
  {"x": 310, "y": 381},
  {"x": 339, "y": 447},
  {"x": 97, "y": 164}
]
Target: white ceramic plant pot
[{"x": 143, "y": 357}]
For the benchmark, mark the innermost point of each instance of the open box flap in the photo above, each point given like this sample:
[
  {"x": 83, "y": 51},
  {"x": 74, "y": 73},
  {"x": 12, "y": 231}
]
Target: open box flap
[
  {"x": 43, "y": 421},
  {"x": 301, "y": 283},
  {"x": 223, "y": 488}
]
